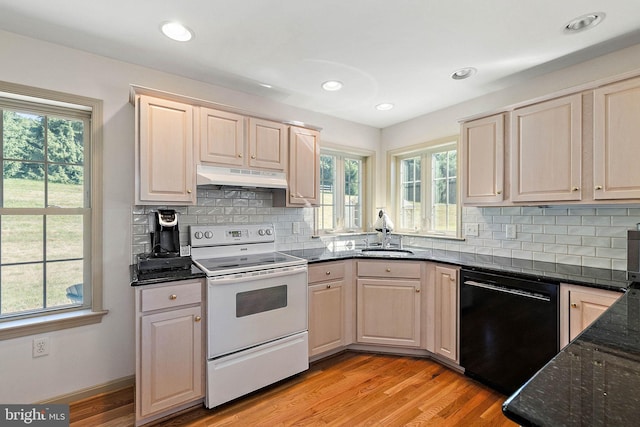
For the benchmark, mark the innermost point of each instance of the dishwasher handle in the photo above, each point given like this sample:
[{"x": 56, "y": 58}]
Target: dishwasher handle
[{"x": 503, "y": 289}]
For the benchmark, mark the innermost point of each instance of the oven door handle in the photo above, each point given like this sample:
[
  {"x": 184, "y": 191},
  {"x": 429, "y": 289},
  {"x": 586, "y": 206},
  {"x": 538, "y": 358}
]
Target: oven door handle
[{"x": 245, "y": 277}]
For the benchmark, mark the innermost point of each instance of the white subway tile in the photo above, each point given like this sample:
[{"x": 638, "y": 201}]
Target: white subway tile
[
  {"x": 541, "y": 256},
  {"x": 547, "y": 220},
  {"x": 596, "y": 220},
  {"x": 596, "y": 262},
  {"x": 569, "y": 259},
  {"x": 522, "y": 254},
  {"x": 555, "y": 229},
  {"x": 582, "y": 211},
  {"x": 581, "y": 250},
  {"x": 569, "y": 220},
  {"x": 611, "y": 253},
  {"x": 555, "y": 249},
  {"x": 612, "y": 211},
  {"x": 569, "y": 240},
  {"x": 581, "y": 230},
  {"x": 544, "y": 238},
  {"x": 596, "y": 241}
]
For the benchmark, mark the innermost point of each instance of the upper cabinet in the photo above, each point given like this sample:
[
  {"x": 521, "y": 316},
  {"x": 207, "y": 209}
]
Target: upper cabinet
[
  {"x": 165, "y": 164},
  {"x": 267, "y": 144},
  {"x": 224, "y": 142},
  {"x": 304, "y": 169},
  {"x": 483, "y": 160},
  {"x": 173, "y": 135},
  {"x": 546, "y": 151},
  {"x": 572, "y": 149},
  {"x": 221, "y": 138},
  {"x": 615, "y": 141}
]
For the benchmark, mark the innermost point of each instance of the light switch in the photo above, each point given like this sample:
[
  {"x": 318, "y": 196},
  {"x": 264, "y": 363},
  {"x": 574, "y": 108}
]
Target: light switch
[{"x": 471, "y": 230}]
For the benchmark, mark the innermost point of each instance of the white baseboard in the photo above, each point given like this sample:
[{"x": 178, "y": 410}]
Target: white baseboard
[{"x": 75, "y": 396}]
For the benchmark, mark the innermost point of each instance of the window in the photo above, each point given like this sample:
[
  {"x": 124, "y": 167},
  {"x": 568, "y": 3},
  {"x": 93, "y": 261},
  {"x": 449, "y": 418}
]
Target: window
[
  {"x": 341, "y": 193},
  {"x": 430, "y": 208},
  {"x": 49, "y": 227}
]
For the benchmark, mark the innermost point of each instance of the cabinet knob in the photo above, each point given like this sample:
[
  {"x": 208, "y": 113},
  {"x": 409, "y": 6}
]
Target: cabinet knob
[
  {"x": 574, "y": 305},
  {"x": 575, "y": 188},
  {"x": 173, "y": 296},
  {"x": 388, "y": 270},
  {"x": 239, "y": 155},
  {"x": 453, "y": 279},
  {"x": 198, "y": 318},
  {"x": 499, "y": 192},
  {"x": 253, "y": 156},
  {"x": 328, "y": 286},
  {"x": 417, "y": 290},
  {"x": 189, "y": 191},
  {"x": 328, "y": 273},
  {"x": 598, "y": 187}
]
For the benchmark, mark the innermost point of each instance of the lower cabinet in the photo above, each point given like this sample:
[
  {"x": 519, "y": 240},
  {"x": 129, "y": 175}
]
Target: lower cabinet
[
  {"x": 445, "y": 322},
  {"x": 389, "y": 300},
  {"x": 330, "y": 306},
  {"x": 169, "y": 348},
  {"x": 579, "y": 307}
]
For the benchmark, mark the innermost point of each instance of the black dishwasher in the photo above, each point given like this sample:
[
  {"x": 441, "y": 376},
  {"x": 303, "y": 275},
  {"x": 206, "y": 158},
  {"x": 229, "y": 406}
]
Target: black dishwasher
[{"x": 508, "y": 328}]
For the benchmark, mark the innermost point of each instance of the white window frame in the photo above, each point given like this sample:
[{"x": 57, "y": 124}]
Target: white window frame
[
  {"x": 91, "y": 311},
  {"x": 425, "y": 152},
  {"x": 366, "y": 159}
]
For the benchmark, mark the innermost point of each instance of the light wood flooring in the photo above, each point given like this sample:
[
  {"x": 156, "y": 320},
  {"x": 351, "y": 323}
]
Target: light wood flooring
[{"x": 349, "y": 389}]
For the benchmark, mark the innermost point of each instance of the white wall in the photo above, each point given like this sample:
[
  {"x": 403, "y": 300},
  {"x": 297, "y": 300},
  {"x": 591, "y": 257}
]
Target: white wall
[{"x": 93, "y": 355}]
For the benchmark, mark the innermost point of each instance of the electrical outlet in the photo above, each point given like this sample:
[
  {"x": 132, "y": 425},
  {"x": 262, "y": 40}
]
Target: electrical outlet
[
  {"x": 295, "y": 227},
  {"x": 511, "y": 231},
  {"x": 40, "y": 347},
  {"x": 471, "y": 230}
]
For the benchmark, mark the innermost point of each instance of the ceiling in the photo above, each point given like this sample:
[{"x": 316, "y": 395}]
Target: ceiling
[{"x": 401, "y": 52}]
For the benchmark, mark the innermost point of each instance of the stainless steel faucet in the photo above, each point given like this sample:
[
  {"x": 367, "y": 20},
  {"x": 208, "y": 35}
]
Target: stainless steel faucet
[{"x": 386, "y": 239}]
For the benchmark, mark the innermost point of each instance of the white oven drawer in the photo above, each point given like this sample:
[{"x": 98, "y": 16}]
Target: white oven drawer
[{"x": 240, "y": 373}]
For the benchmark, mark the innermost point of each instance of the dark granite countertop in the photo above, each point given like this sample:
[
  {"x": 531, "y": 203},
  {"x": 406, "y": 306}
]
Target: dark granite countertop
[
  {"x": 139, "y": 279},
  {"x": 551, "y": 272},
  {"x": 595, "y": 380}
]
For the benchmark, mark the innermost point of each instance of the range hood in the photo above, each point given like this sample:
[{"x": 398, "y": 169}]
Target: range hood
[{"x": 239, "y": 177}]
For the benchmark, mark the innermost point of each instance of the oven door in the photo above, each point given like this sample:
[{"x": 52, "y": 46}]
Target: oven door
[{"x": 250, "y": 309}]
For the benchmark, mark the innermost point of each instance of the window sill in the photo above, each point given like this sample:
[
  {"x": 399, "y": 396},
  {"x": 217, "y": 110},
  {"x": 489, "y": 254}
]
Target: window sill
[
  {"x": 431, "y": 236},
  {"x": 49, "y": 323}
]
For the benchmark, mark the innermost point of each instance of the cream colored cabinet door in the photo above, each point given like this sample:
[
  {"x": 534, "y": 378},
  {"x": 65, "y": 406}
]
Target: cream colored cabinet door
[
  {"x": 482, "y": 155},
  {"x": 616, "y": 148},
  {"x": 388, "y": 312},
  {"x": 222, "y": 138},
  {"x": 171, "y": 359},
  {"x": 165, "y": 164},
  {"x": 267, "y": 144},
  {"x": 304, "y": 167},
  {"x": 546, "y": 151},
  {"x": 446, "y": 312},
  {"x": 326, "y": 316},
  {"x": 580, "y": 307}
]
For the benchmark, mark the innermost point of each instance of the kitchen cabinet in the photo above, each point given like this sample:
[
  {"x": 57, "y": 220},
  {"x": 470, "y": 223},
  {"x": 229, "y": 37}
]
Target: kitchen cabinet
[
  {"x": 546, "y": 151},
  {"x": 224, "y": 142},
  {"x": 330, "y": 306},
  {"x": 446, "y": 312},
  {"x": 482, "y": 160},
  {"x": 165, "y": 163},
  {"x": 579, "y": 307},
  {"x": 304, "y": 169},
  {"x": 169, "y": 348},
  {"x": 222, "y": 138},
  {"x": 389, "y": 301},
  {"x": 615, "y": 141}
]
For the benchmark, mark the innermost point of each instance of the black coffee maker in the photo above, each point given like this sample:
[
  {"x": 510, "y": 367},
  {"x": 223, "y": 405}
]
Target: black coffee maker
[
  {"x": 165, "y": 235},
  {"x": 165, "y": 245}
]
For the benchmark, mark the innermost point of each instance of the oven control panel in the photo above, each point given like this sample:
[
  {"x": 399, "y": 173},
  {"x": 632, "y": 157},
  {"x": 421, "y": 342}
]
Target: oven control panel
[{"x": 219, "y": 235}]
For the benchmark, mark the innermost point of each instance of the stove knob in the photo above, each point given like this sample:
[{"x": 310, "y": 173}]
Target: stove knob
[
  {"x": 261, "y": 232},
  {"x": 197, "y": 235},
  {"x": 208, "y": 234},
  {"x": 269, "y": 232}
]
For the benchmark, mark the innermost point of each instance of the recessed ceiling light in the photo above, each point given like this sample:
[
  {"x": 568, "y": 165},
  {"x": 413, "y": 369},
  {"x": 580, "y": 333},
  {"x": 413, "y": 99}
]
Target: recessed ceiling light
[
  {"x": 584, "y": 22},
  {"x": 332, "y": 85},
  {"x": 384, "y": 106},
  {"x": 463, "y": 73},
  {"x": 176, "y": 31},
  {"x": 267, "y": 85}
]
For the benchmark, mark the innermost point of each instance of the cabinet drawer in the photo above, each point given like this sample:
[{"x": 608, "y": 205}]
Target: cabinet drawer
[
  {"x": 171, "y": 296},
  {"x": 382, "y": 268},
  {"x": 326, "y": 271}
]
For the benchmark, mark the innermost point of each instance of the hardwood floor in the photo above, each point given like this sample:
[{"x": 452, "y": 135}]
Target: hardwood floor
[{"x": 349, "y": 389}]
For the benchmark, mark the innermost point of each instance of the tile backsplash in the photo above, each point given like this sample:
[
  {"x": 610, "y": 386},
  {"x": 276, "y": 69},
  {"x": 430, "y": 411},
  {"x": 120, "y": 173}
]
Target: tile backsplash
[{"x": 585, "y": 236}]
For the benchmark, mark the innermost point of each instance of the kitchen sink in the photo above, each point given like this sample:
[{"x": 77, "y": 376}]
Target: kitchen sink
[{"x": 389, "y": 252}]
